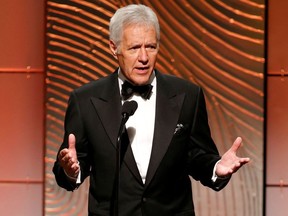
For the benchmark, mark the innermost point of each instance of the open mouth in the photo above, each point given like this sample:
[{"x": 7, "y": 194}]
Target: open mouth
[{"x": 142, "y": 68}]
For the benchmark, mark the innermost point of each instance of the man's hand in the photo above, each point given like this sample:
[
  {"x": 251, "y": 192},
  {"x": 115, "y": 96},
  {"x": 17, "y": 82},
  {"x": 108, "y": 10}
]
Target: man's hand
[
  {"x": 68, "y": 158},
  {"x": 229, "y": 162}
]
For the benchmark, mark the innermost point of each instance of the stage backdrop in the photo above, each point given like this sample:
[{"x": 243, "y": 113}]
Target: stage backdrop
[{"x": 218, "y": 44}]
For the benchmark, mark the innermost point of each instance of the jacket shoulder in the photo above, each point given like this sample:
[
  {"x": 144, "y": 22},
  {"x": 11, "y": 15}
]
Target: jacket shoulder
[
  {"x": 177, "y": 83},
  {"x": 97, "y": 87}
]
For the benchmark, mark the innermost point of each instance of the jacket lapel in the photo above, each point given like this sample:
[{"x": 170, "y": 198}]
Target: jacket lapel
[
  {"x": 168, "y": 106},
  {"x": 107, "y": 104}
]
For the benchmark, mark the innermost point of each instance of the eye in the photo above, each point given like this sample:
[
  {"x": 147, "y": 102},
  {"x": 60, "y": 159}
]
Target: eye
[
  {"x": 151, "y": 48},
  {"x": 135, "y": 47}
]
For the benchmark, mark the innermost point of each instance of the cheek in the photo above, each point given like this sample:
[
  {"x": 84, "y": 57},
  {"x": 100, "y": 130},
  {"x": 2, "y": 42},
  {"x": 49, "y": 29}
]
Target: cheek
[
  {"x": 129, "y": 64},
  {"x": 126, "y": 66},
  {"x": 153, "y": 58}
]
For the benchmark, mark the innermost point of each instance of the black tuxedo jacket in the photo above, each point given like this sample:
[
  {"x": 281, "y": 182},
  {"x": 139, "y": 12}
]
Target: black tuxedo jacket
[{"x": 182, "y": 147}]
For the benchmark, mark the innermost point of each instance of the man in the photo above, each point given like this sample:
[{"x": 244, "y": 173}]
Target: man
[{"x": 169, "y": 136}]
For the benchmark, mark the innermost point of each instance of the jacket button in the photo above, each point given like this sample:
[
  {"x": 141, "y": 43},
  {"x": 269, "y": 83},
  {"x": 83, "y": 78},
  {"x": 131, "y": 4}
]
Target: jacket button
[{"x": 144, "y": 199}]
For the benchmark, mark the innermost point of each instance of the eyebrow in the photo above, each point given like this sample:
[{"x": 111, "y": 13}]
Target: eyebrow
[{"x": 140, "y": 44}]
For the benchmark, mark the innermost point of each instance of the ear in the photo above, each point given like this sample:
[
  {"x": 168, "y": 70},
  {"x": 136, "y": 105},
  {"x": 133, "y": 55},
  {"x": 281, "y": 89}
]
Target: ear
[{"x": 113, "y": 48}]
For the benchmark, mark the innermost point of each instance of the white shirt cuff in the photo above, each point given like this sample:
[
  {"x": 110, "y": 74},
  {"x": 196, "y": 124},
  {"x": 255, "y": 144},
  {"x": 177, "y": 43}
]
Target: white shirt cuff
[{"x": 214, "y": 176}]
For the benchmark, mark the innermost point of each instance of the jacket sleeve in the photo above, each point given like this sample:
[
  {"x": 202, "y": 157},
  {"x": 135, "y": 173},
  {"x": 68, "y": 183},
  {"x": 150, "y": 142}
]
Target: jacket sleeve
[
  {"x": 73, "y": 124},
  {"x": 203, "y": 153}
]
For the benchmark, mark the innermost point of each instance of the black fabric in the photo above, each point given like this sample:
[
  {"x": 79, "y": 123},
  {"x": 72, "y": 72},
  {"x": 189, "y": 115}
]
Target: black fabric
[
  {"x": 124, "y": 145},
  {"x": 129, "y": 89},
  {"x": 182, "y": 146}
]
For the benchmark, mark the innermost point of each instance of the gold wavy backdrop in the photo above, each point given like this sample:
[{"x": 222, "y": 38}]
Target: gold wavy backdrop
[{"x": 218, "y": 44}]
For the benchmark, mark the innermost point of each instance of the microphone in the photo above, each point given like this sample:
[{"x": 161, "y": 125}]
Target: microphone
[{"x": 128, "y": 109}]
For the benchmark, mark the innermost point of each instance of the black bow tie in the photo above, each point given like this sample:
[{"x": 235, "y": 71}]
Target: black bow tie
[{"x": 128, "y": 90}]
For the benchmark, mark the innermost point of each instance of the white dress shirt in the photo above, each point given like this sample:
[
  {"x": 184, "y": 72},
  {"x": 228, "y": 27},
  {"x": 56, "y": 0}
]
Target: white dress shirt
[{"x": 140, "y": 127}]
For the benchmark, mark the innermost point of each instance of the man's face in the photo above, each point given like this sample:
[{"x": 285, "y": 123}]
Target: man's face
[{"x": 137, "y": 53}]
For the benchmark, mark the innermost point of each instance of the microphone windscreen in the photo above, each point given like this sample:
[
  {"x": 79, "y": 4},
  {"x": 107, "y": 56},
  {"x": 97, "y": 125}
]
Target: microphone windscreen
[{"x": 129, "y": 107}]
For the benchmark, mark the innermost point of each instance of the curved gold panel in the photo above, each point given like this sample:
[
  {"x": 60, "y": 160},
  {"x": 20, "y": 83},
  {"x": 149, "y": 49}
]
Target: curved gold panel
[{"x": 216, "y": 44}]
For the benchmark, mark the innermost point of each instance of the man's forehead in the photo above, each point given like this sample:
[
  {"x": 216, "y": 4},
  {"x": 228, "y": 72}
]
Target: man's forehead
[{"x": 139, "y": 32}]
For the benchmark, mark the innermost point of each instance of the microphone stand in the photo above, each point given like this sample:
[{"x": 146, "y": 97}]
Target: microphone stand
[
  {"x": 125, "y": 117},
  {"x": 128, "y": 109}
]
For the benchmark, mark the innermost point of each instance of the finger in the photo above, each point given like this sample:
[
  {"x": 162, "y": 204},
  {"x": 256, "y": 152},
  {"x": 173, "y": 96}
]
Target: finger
[
  {"x": 240, "y": 163},
  {"x": 71, "y": 163},
  {"x": 66, "y": 159},
  {"x": 237, "y": 143},
  {"x": 75, "y": 166},
  {"x": 71, "y": 141},
  {"x": 244, "y": 160},
  {"x": 63, "y": 153}
]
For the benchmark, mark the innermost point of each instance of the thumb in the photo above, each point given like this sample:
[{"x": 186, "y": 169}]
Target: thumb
[
  {"x": 71, "y": 142},
  {"x": 237, "y": 143}
]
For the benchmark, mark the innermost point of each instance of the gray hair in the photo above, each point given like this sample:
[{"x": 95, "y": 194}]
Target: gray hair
[{"x": 133, "y": 14}]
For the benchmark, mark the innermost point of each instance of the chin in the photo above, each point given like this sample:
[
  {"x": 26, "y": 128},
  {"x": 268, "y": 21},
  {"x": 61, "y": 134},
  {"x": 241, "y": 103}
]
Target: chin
[{"x": 142, "y": 80}]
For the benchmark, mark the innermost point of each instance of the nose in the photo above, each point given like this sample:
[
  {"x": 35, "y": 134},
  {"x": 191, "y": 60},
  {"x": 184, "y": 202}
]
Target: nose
[{"x": 143, "y": 55}]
